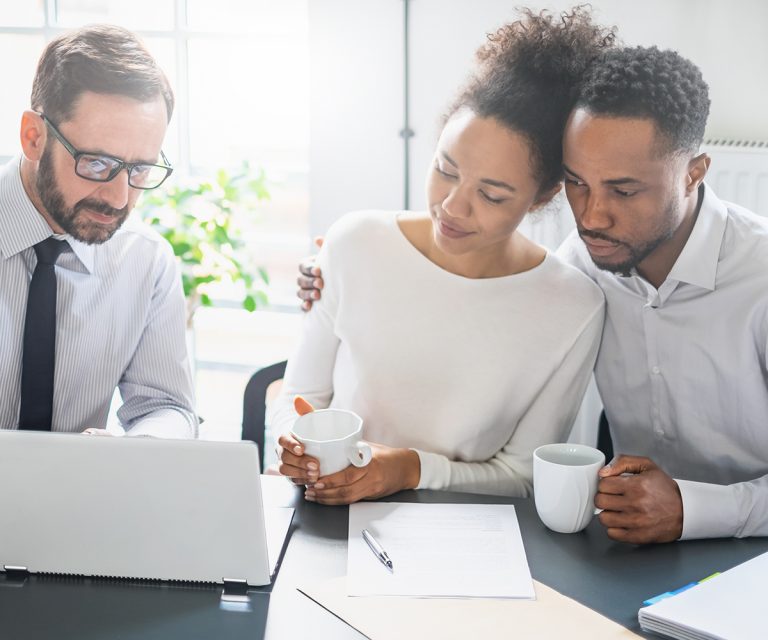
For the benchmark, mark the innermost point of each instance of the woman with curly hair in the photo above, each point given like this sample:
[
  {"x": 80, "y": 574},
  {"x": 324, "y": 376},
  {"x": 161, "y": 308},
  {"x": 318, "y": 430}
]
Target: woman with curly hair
[{"x": 462, "y": 344}]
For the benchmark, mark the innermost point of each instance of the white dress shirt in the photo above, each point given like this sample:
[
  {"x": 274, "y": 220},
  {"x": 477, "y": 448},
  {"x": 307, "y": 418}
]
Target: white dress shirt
[
  {"x": 473, "y": 374},
  {"x": 683, "y": 373},
  {"x": 120, "y": 323}
]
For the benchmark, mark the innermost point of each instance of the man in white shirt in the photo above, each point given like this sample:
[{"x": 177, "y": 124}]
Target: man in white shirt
[
  {"x": 682, "y": 368},
  {"x": 87, "y": 304},
  {"x": 683, "y": 363}
]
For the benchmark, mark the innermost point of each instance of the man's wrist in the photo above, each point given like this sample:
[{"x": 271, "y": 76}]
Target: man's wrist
[
  {"x": 679, "y": 526},
  {"x": 412, "y": 475}
]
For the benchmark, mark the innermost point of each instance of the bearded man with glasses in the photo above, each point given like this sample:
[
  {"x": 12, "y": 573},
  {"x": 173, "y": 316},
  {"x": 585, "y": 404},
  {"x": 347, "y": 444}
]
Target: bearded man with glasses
[{"x": 87, "y": 303}]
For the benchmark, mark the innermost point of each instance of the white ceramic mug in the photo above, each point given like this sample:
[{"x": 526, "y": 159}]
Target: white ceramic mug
[
  {"x": 334, "y": 437},
  {"x": 565, "y": 483}
]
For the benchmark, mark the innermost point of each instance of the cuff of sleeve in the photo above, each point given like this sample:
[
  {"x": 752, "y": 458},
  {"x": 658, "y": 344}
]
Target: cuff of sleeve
[
  {"x": 435, "y": 470},
  {"x": 709, "y": 510},
  {"x": 163, "y": 423}
]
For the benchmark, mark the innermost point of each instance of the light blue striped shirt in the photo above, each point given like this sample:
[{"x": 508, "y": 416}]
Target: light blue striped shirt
[{"x": 120, "y": 323}]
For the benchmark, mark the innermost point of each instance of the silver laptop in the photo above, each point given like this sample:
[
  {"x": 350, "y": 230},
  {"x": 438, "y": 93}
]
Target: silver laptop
[{"x": 135, "y": 508}]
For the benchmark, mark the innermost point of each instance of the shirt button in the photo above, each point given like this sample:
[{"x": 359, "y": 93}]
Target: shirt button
[{"x": 655, "y": 370}]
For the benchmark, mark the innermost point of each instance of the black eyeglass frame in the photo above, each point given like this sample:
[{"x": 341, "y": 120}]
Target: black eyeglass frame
[{"x": 119, "y": 166}]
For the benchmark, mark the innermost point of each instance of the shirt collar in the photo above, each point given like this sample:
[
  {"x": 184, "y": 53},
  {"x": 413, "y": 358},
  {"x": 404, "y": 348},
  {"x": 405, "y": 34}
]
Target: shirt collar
[
  {"x": 84, "y": 252},
  {"x": 697, "y": 262},
  {"x": 23, "y": 225}
]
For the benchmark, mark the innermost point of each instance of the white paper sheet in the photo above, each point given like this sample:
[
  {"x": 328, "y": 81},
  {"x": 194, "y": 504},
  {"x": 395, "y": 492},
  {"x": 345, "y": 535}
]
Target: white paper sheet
[
  {"x": 438, "y": 550},
  {"x": 551, "y": 615}
]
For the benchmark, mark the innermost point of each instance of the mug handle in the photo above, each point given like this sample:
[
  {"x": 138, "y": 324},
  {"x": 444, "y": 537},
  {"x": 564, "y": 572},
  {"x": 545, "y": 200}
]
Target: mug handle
[{"x": 360, "y": 453}]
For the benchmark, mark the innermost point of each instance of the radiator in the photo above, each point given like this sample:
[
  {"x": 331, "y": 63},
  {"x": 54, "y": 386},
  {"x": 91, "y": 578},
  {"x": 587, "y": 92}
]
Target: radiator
[{"x": 739, "y": 172}]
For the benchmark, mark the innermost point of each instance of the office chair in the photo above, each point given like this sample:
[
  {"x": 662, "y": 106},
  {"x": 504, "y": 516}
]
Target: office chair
[
  {"x": 604, "y": 441},
  {"x": 254, "y": 404}
]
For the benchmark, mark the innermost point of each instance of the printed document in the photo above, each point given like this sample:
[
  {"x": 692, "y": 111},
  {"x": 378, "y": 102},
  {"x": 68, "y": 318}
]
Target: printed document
[{"x": 438, "y": 550}]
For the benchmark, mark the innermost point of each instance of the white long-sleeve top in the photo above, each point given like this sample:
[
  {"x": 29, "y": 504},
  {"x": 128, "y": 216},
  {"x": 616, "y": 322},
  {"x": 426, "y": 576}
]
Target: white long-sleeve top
[
  {"x": 473, "y": 374},
  {"x": 683, "y": 369}
]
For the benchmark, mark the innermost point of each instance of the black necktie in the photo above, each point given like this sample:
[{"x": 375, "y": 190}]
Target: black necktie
[{"x": 38, "y": 360}]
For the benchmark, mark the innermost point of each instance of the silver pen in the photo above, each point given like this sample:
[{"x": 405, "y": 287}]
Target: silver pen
[{"x": 378, "y": 551}]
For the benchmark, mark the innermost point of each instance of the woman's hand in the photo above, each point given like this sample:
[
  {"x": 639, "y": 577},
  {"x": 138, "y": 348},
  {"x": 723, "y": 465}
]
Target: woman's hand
[
  {"x": 294, "y": 464},
  {"x": 389, "y": 471}
]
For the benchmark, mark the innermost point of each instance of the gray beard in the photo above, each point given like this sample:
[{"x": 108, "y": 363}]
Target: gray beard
[{"x": 70, "y": 219}]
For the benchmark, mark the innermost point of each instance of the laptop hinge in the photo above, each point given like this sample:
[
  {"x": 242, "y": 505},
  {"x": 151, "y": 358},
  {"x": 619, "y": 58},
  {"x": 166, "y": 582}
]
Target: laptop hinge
[
  {"x": 234, "y": 591},
  {"x": 14, "y": 568},
  {"x": 234, "y": 581}
]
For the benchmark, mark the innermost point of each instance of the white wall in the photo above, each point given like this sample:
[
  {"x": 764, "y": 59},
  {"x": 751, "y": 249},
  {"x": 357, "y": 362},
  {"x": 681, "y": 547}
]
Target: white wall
[{"x": 356, "y": 106}]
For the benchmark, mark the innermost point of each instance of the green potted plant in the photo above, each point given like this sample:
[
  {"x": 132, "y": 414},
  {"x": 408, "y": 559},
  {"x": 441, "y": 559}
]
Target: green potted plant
[{"x": 200, "y": 221}]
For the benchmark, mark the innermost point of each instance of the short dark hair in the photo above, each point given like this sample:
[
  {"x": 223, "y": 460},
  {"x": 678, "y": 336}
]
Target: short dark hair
[
  {"x": 103, "y": 59},
  {"x": 648, "y": 83},
  {"x": 528, "y": 79}
]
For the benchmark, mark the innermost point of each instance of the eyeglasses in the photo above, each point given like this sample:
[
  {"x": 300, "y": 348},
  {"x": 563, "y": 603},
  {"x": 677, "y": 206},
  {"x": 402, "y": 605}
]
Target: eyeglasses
[{"x": 102, "y": 168}]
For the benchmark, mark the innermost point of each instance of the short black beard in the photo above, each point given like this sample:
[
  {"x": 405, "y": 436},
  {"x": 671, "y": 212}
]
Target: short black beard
[
  {"x": 70, "y": 219},
  {"x": 636, "y": 254}
]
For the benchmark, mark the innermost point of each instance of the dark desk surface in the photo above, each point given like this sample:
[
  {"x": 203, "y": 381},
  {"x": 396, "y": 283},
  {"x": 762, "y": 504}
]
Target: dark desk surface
[{"x": 609, "y": 577}]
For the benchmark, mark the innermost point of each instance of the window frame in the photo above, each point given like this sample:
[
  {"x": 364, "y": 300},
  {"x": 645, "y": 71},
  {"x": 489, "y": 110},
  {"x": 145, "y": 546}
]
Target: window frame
[{"x": 180, "y": 152}]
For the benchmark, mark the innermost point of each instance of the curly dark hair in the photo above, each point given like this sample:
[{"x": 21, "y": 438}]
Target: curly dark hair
[
  {"x": 645, "y": 82},
  {"x": 99, "y": 58},
  {"x": 528, "y": 78}
]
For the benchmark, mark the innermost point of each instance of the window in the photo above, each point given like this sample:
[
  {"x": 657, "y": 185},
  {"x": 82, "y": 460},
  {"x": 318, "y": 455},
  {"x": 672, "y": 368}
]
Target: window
[{"x": 240, "y": 71}]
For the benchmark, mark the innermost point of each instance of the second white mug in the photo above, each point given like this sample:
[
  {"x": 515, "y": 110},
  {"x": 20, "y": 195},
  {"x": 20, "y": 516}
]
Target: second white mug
[{"x": 565, "y": 484}]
